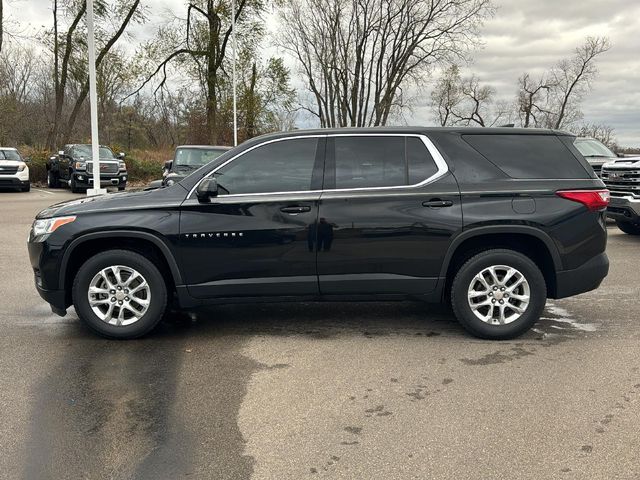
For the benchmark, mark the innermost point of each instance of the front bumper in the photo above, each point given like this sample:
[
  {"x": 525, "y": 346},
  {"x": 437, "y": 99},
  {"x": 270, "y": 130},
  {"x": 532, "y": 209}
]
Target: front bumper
[
  {"x": 84, "y": 180},
  {"x": 44, "y": 262},
  {"x": 624, "y": 208},
  {"x": 585, "y": 278},
  {"x": 18, "y": 179}
]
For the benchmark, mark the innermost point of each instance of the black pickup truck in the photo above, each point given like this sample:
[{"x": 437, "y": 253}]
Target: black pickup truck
[{"x": 73, "y": 166}]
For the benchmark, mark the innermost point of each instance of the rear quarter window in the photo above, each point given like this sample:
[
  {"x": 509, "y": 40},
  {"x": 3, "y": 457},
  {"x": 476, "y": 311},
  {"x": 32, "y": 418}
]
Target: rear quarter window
[{"x": 528, "y": 156}]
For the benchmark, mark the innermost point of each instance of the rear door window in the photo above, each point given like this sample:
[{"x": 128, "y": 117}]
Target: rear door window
[
  {"x": 528, "y": 156},
  {"x": 384, "y": 161}
]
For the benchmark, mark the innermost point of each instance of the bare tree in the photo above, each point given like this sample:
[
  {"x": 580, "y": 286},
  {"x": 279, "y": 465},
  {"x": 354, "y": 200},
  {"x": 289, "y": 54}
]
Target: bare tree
[
  {"x": 533, "y": 101},
  {"x": 205, "y": 42},
  {"x": 465, "y": 101},
  {"x": 446, "y": 96},
  {"x": 573, "y": 77},
  {"x": 1, "y": 24},
  {"x": 357, "y": 55}
]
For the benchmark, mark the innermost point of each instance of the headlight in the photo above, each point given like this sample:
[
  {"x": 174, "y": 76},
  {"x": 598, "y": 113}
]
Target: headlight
[
  {"x": 21, "y": 167},
  {"x": 170, "y": 182},
  {"x": 80, "y": 166},
  {"x": 50, "y": 225},
  {"x": 123, "y": 166}
]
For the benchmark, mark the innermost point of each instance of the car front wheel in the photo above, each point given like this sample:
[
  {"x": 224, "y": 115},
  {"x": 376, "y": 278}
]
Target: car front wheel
[
  {"x": 119, "y": 294},
  {"x": 498, "y": 294}
]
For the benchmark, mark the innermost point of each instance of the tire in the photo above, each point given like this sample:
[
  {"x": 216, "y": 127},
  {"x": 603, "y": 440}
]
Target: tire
[
  {"x": 74, "y": 187},
  {"x": 121, "y": 188},
  {"x": 26, "y": 187},
  {"x": 52, "y": 180},
  {"x": 467, "y": 289},
  {"x": 115, "y": 326},
  {"x": 629, "y": 227}
]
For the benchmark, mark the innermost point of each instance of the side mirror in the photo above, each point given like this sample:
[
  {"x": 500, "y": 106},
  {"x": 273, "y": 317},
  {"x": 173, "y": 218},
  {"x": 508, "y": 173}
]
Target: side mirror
[
  {"x": 206, "y": 189},
  {"x": 121, "y": 156},
  {"x": 61, "y": 153},
  {"x": 168, "y": 164},
  {"x": 619, "y": 154}
]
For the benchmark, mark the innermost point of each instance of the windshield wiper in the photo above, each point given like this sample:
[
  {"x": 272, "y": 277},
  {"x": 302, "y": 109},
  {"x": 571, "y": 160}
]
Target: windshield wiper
[{"x": 597, "y": 156}]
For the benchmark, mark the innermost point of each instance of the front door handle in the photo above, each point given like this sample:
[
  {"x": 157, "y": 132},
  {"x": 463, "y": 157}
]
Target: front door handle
[
  {"x": 296, "y": 209},
  {"x": 437, "y": 203}
]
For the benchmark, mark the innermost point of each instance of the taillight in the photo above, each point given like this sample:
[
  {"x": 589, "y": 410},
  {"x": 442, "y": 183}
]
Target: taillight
[{"x": 592, "y": 199}]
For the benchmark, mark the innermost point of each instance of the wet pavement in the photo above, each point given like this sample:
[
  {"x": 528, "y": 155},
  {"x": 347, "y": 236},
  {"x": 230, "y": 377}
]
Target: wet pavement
[{"x": 293, "y": 391}]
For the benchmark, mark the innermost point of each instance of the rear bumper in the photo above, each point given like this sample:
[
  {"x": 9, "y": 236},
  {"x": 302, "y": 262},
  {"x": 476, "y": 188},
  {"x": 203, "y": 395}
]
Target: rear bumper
[
  {"x": 626, "y": 209},
  {"x": 585, "y": 278}
]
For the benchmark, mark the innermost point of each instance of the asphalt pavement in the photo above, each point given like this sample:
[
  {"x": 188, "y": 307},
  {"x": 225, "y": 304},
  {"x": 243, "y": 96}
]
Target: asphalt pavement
[{"x": 306, "y": 391}]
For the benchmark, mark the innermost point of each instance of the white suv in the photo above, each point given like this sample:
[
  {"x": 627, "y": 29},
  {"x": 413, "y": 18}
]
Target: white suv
[{"x": 13, "y": 170}]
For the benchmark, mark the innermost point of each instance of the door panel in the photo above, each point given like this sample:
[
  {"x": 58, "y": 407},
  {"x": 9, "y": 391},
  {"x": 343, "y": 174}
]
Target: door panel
[
  {"x": 384, "y": 228},
  {"x": 386, "y": 243},
  {"x": 256, "y": 237},
  {"x": 249, "y": 246}
]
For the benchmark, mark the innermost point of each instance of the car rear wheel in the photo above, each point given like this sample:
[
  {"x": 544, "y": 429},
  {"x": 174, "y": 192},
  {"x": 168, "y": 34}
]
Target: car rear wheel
[
  {"x": 629, "y": 227},
  {"x": 52, "y": 180},
  {"x": 119, "y": 294},
  {"x": 498, "y": 294}
]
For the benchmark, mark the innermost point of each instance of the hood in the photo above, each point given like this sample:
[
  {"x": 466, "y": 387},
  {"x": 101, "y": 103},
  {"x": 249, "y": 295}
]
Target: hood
[
  {"x": 117, "y": 201},
  {"x": 627, "y": 162}
]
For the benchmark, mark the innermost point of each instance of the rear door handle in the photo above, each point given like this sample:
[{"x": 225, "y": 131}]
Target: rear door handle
[
  {"x": 437, "y": 203},
  {"x": 296, "y": 209}
]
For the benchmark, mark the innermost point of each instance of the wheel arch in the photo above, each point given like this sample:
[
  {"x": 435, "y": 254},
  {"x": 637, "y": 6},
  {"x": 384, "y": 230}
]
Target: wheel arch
[
  {"x": 529, "y": 241},
  {"x": 144, "y": 243}
]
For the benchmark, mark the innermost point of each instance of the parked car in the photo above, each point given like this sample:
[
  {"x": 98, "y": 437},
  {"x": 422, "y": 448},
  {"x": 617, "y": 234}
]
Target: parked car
[
  {"x": 494, "y": 220},
  {"x": 596, "y": 152},
  {"x": 14, "y": 171},
  {"x": 622, "y": 178},
  {"x": 73, "y": 166},
  {"x": 186, "y": 159}
]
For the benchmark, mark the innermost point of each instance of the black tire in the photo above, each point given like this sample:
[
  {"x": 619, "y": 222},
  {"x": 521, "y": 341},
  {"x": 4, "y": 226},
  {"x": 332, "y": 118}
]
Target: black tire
[
  {"x": 462, "y": 282},
  {"x": 74, "y": 186},
  {"x": 121, "y": 188},
  {"x": 629, "y": 227},
  {"x": 126, "y": 258},
  {"x": 26, "y": 188},
  {"x": 52, "y": 179}
]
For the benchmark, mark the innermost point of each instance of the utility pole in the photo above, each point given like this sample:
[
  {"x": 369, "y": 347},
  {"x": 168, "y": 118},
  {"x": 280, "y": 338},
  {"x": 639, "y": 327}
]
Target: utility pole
[
  {"x": 235, "y": 108},
  {"x": 93, "y": 103}
]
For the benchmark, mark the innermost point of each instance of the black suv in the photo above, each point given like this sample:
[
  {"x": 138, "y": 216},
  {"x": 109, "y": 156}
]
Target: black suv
[
  {"x": 73, "y": 166},
  {"x": 493, "y": 220}
]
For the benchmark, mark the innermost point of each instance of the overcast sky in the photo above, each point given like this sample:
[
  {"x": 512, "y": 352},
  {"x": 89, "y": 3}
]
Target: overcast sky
[{"x": 524, "y": 35}]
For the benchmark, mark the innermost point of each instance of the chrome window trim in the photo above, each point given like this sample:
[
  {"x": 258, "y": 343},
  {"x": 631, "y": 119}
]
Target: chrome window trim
[{"x": 438, "y": 159}]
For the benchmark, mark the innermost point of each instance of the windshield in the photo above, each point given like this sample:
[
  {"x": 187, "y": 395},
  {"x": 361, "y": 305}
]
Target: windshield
[
  {"x": 593, "y": 148},
  {"x": 85, "y": 151},
  {"x": 9, "y": 155},
  {"x": 195, "y": 157}
]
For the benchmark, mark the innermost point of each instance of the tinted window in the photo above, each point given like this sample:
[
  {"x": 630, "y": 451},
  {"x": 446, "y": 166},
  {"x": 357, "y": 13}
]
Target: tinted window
[
  {"x": 85, "y": 151},
  {"x": 196, "y": 157},
  {"x": 381, "y": 161},
  {"x": 528, "y": 156},
  {"x": 285, "y": 166},
  {"x": 420, "y": 162}
]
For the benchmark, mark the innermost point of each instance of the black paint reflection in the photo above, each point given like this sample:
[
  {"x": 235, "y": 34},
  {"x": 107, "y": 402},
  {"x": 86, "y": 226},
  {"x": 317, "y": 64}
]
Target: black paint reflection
[{"x": 322, "y": 234}]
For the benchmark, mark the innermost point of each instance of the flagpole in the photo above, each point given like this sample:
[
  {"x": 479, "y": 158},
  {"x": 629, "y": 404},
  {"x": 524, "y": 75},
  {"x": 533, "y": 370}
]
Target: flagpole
[
  {"x": 235, "y": 108},
  {"x": 93, "y": 103}
]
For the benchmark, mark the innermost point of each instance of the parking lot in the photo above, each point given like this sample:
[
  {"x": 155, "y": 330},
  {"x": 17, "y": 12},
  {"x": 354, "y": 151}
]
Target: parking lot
[{"x": 292, "y": 391}]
